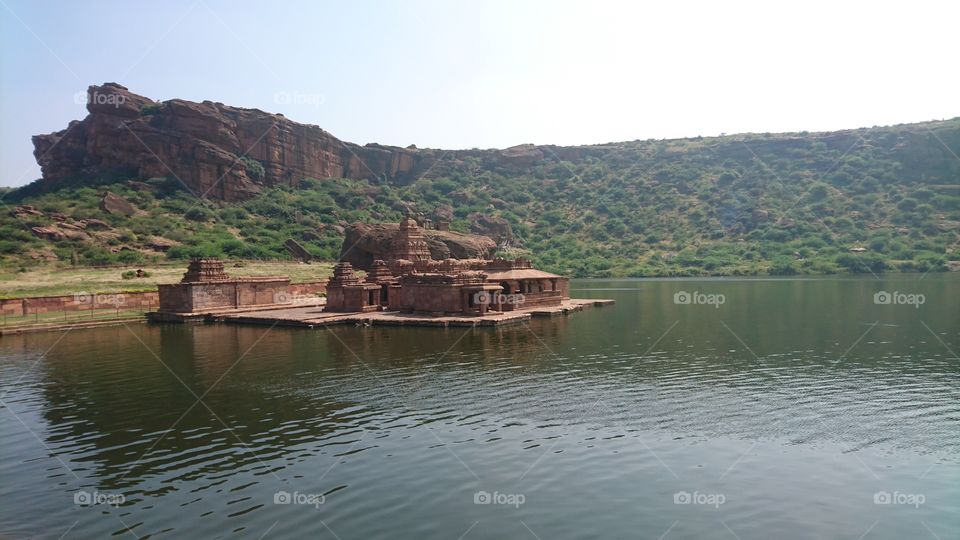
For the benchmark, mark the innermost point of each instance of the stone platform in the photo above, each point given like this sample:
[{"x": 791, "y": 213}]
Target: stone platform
[
  {"x": 313, "y": 316},
  {"x": 218, "y": 313}
]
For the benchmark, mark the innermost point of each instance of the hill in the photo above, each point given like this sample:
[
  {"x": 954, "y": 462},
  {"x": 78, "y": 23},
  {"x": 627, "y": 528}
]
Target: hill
[{"x": 864, "y": 200}]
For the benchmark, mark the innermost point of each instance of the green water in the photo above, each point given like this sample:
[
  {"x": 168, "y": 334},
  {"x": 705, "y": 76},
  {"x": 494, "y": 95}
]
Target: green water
[{"x": 781, "y": 410}]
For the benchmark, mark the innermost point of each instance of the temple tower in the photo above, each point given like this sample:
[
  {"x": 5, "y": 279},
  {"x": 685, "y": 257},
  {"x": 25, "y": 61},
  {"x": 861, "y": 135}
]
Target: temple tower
[
  {"x": 203, "y": 270},
  {"x": 409, "y": 243}
]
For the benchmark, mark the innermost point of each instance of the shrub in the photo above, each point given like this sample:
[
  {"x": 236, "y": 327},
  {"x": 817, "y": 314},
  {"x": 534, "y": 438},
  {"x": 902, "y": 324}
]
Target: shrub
[
  {"x": 783, "y": 266},
  {"x": 150, "y": 108},
  {"x": 198, "y": 213},
  {"x": 7, "y": 246},
  {"x": 254, "y": 168},
  {"x": 860, "y": 263}
]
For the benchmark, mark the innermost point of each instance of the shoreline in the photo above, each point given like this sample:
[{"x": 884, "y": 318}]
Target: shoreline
[{"x": 133, "y": 288}]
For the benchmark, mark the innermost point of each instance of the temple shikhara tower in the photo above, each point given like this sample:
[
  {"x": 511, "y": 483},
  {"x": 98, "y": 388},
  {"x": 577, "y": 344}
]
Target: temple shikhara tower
[{"x": 409, "y": 244}]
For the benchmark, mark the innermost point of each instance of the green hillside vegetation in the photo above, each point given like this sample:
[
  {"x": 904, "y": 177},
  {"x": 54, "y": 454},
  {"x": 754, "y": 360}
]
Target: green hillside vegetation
[{"x": 737, "y": 205}]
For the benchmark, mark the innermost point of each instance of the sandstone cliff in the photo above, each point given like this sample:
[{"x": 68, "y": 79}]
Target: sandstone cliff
[
  {"x": 227, "y": 153},
  {"x": 217, "y": 151}
]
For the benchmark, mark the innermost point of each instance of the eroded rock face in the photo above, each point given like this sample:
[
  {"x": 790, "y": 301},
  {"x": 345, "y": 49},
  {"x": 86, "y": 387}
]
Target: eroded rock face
[
  {"x": 364, "y": 243},
  {"x": 201, "y": 144},
  {"x": 494, "y": 227}
]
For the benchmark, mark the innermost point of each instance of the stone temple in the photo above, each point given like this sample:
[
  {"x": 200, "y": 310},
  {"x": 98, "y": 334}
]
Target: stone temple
[
  {"x": 410, "y": 281},
  {"x": 207, "y": 287},
  {"x": 408, "y": 285}
]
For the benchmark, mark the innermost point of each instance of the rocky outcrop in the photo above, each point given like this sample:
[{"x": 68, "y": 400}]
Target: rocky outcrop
[
  {"x": 228, "y": 153},
  {"x": 115, "y": 204},
  {"x": 520, "y": 156},
  {"x": 25, "y": 211},
  {"x": 215, "y": 150},
  {"x": 494, "y": 227},
  {"x": 297, "y": 251},
  {"x": 159, "y": 243},
  {"x": 48, "y": 233},
  {"x": 364, "y": 243},
  {"x": 95, "y": 224}
]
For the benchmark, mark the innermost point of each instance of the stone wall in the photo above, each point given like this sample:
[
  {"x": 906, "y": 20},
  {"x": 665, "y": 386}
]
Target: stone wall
[
  {"x": 308, "y": 289},
  {"x": 246, "y": 292},
  {"x": 140, "y": 301},
  {"x": 79, "y": 302},
  {"x": 199, "y": 296},
  {"x": 538, "y": 299},
  {"x": 430, "y": 298}
]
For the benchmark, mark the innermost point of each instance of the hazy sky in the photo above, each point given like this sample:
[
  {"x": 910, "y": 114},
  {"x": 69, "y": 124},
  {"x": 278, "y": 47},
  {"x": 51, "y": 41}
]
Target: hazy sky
[{"x": 488, "y": 74}]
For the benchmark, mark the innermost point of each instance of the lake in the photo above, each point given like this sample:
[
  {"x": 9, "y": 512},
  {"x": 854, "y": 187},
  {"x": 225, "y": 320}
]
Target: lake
[{"x": 727, "y": 408}]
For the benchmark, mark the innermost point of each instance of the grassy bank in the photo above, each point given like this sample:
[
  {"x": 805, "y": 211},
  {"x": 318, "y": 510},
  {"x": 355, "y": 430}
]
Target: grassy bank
[{"x": 54, "y": 280}]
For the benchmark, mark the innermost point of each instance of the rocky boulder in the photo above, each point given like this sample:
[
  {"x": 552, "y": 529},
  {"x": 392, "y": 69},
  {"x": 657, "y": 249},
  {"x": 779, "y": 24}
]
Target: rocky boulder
[
  {"x": 21, "y": 212},
  {"x": 159, "y": 243},
  {"x": 363, "y": 243},
  {"x": 497, "y": 228},
  {"x": 297, "y": 251},
  {"x": 48, "y": 233},
  {"x": 115, "y": 204},
  {"x": 95, "y": 224},
  {"x": 461, "y": 245}
]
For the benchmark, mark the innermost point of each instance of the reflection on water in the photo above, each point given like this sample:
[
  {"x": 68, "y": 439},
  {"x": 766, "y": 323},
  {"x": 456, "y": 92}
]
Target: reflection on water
[{"x": 787, "y": 407}]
